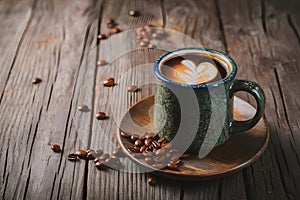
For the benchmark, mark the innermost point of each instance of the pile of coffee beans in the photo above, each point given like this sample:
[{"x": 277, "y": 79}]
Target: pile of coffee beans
[
  {"x": 102, "y": 160},
  {"x": 154, "y": 151},
  {"x": 147, "y": 34}
]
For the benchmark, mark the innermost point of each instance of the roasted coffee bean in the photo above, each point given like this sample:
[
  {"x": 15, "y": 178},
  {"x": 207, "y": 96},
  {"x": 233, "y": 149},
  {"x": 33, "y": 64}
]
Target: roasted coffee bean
[
  {"x": 118, "y": 152},
  {"x": 81, "y": 153},
  {"x": 151, "y": 180},
  {"x": 72, "y": 157},
  {"x": 109, "y": 82},
  {"x": 132, "y": 88},
  {"x": 133, "y": 13},
  {"x": 151, "y": 46},
  {"x": 162, "y": 140},
  {"x": 143, "y": 137},
  {"x": 109, "y": 161},
  {"x": 101, "y": 62},
  {"x": 133, "y": 138},
  {"x": 90, "y": 154},
  {"x": 134, "y": 149},
  {"x": 36, "y": 80},
  {"x": 101, "y": 36},
  {"x": 83, "y": 108},
  {"x": 138, "y": 143},
  {"x": 100, "y": 165},
  {"x": 172, "y": 166},
  {"x": 97, "y": 160},
  {"x": 56, "y": 148},
  {"x": 149, "y": 148},
  {"x": 160, "y": 152},
  {"x": 115, "y": 30},
  {"x": 149, "y": 160},
  {"x": 148, "y": 141},
  {"x": 156, "y": 144},
  {"x": 184, "y": 156},
  {"x": 104, "y": 156},
  {"x": 98, "y": 153},
  {"x": 143, "y": 148},
  {"x": 101, "y": 115},
  {"x": 125, "y": 135}
]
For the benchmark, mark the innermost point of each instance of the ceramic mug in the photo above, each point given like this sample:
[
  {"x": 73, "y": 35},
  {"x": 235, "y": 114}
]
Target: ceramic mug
[{"x": 191, "y": 115}]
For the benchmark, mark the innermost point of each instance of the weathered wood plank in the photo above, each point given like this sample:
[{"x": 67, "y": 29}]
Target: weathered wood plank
[
  {"x": 59, "y": 34},
  {"x": 266, "y": 48}
]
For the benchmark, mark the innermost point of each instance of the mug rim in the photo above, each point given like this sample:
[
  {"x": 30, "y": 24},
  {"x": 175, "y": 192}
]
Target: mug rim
[{"x": 228, "y": 78}]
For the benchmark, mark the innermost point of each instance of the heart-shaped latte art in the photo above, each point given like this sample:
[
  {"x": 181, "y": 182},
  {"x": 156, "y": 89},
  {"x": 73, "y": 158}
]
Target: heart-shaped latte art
[{"x": 192, "y": 74}]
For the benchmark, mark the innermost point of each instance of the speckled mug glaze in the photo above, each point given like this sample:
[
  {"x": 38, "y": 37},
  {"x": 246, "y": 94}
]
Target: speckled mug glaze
[{"x": 168, "y": 92}]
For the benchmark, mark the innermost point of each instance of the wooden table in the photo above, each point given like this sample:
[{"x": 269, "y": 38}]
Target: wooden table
[{"x": 57, "y": 41}]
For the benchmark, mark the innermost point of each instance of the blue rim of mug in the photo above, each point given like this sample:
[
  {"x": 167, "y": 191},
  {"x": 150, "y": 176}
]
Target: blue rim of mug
[{"x": 228, "y": 78}]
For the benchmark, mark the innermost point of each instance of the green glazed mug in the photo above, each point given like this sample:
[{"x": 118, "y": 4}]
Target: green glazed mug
[{"x": 199, "y": 117}]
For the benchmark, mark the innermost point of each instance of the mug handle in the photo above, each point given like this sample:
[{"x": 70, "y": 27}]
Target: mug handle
[{"x": 255, "y": 90}]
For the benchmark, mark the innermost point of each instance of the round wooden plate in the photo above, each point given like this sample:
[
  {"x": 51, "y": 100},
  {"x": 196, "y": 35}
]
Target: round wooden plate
[{"x": 239, "y": 151}]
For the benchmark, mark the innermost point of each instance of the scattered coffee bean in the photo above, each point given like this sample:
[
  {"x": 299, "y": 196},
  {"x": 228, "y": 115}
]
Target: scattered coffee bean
[
  {"x": 184, "y": 156},
  {"x": 81, "y": 154},
  {"x": 101, "y": 115},
  {"x": 134, "y": 149},
  {"x": 125, "y": 135},
  {"x": 151, "y": 46},
  {"x": 132, "y": 88},
  {"x": 56, "y": 148},
  {"x": 109, "y": 82},
  {"x": 115, "y": 30},
  {"x": 101, "y": 62},
  {"x": 138, "y": 143},
  {"x": 83, "y": 108},
  {"x": 100, "y": 165},
  {"x": 156, "y": 144},
  {"x": 134, "y": 138},
  {"x": 104, "y": 156},
  {"x": 133, "y": 13},
  {"x": 172, "y": 166},
  {"x": 90, "y": 154},
  {"x": 36, "y": 80},
  {"x": 143, "y": 148},
  {"x": 102, "y": 36},
  {"x": 72, "y": 157},
  {"x": 162, "y": 140},
  {"x": 148, "y": 141}
]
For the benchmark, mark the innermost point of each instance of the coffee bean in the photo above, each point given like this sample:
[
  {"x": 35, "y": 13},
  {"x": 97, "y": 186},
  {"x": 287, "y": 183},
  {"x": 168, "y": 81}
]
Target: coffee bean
[
  {"x": 138, "y": 143},
  {"x": 166, "y": 145},
  {"x": 143, "y": 148},
  {"x": 72, "y": 157},
  {"x": 149, "y": 160},
  {"x": 36, "y": 80},
  {"x": 148, "y": 141},
  {"x": 151, "y": 46},
  {"x": 109, "y": 161},
  {"x": 104, "y": 156},
  {"x": 160, "y": 152},
  {"x": 149, "y": 148},
  {"x": 115, "y": 30},
  {"x": 101, "y": 62},
  {"x": 83, "y": 108},
  {"x": 133, "y": 13},
  {"x": 184, "y": 156},
  {"x": 172, "y": 166},
  {"x": 132, "y": 88},
  {"x": 125, "y": 135},
  {"x": 100, "y": 165},
  {"x": 177, "y": 162},
  {"x": 56, "y": 148},
  {"x": 143, "y": 137},
  {"x": 156, "y": 144},
  {"x": 90, "y": 154},
  {"x": 101, "y": 36},
  {"x": 133, "y": 138},
  {"x": 81, "y": 154},
  {"x": 109, "y": 82},
  {"x": 162, "y": 140},
  {"x": 134, "y": 149},
  {"x": 101, "y": 115},
  {"x": 151, "y": 181},
  {"x": 97, "y": 160}
]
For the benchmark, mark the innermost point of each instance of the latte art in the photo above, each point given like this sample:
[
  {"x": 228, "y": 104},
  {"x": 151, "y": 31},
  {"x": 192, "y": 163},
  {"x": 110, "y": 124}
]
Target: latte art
[{"x": 189, "y": 73}]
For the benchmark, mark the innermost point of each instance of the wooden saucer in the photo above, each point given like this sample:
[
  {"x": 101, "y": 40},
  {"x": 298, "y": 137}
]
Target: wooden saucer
[{"x": 238, "y": 152}]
